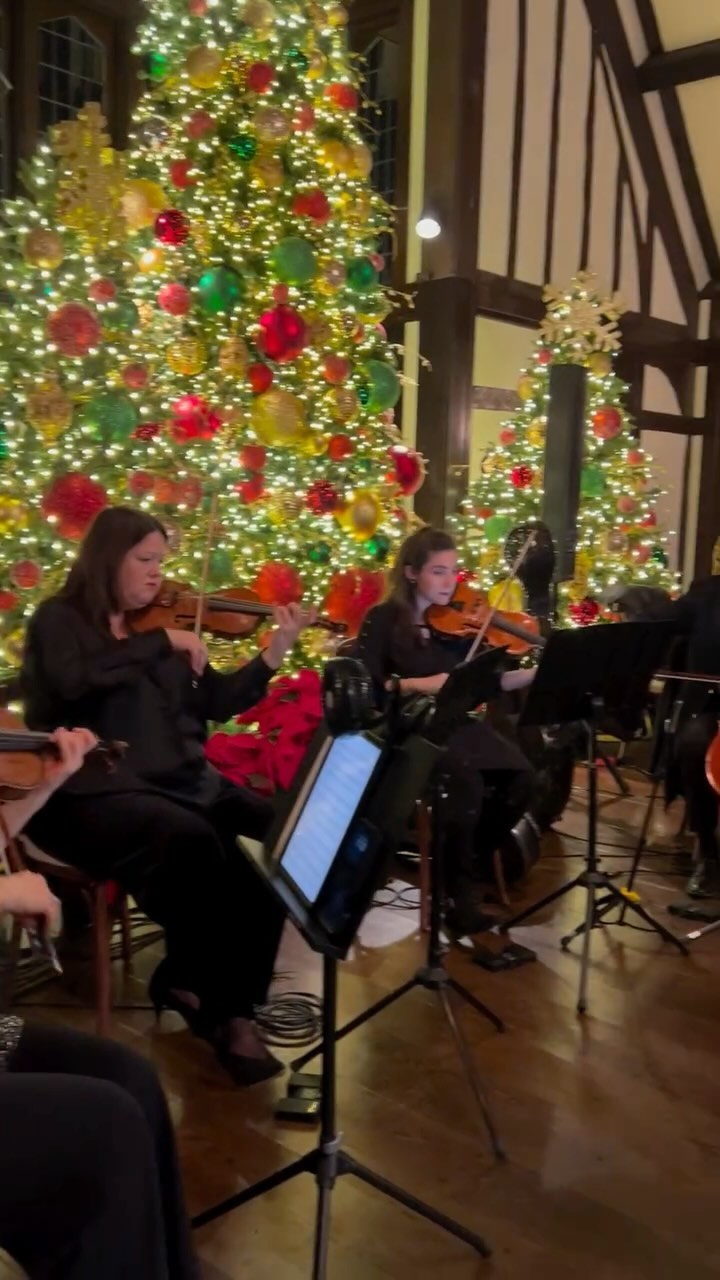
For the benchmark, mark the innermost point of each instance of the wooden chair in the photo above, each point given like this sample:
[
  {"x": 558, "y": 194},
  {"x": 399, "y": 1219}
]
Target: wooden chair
[{"x": 107, "y": 903}]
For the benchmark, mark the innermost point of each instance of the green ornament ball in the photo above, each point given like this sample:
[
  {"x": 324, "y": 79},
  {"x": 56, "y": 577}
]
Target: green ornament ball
[
  {"x": 219, "y": 289},
  {"x": 497, "y": 528},
  {"x": 158, "y": 66},
  {"x": 592, "y": 482},
  {"x": 220, "y": 567},
  {"x": 112, "y": 414},
  {"x": 3, "y": 446},
  {"x": 363, "y": 466},
  {"x": 361, "y": 274},
  {"x": 379, "y": 547},
  {"x": 297, "y": 58},
  {"x": 384, "y": 386},
  {"x": 319, "y": 553},
  {"x": 294, "y": 260},
  {"x": 243, "y": 145},
  {"x": 363, "y": 395},
  {"x": 659, "y": 556},
  {"x": 123, "y": 315}
]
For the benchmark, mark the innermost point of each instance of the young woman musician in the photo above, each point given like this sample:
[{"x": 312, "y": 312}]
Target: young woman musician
[
  {"x": 89, "y": 1183},
  {"x": 490, "y": 783},
  {"x": 164, "y": 823}
]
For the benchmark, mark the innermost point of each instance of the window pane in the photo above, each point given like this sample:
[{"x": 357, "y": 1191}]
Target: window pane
[{"x": 70, "y": 71}]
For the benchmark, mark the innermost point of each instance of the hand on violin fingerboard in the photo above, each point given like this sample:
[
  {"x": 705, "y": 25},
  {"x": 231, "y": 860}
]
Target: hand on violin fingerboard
[
  {"x": 289, "y": 622},
  {"x": 511, "y": 681},
  {"x": 73, "y": 745}
]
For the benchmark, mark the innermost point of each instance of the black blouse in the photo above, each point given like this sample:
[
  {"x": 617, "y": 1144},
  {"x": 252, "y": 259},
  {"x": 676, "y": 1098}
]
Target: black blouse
[
  {"x": 140, "y": 691},
  {"x": 388, "y": 650}
]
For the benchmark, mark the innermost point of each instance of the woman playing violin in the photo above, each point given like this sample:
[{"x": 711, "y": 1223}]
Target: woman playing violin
[
  {"x": 89, "y": 1183},
  {"x": 164, "y": 823},
  {"x": 490, "y": 783}
]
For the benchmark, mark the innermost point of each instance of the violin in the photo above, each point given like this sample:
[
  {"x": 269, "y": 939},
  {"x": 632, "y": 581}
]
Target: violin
[
  {"x": 25, "y": 754},
  {"x": 468, "y": 613},
  {"x": 230, "y": 614}
]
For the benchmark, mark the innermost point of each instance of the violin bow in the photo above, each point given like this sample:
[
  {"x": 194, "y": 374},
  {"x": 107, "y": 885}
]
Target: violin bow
[
  {"x": 527, "y": 545},
  {"x": 205, "y": 572}
]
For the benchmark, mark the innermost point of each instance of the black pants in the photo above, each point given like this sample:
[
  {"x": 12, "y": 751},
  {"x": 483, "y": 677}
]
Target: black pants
[
  {"x": 183, "y": 867},
  {"x": 89, "y": 1183},
  {"x": 702, "y": 802}
]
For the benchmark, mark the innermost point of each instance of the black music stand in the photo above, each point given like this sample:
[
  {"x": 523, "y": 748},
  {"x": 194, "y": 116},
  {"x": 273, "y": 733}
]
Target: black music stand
[{"x": 587, "y": 675}]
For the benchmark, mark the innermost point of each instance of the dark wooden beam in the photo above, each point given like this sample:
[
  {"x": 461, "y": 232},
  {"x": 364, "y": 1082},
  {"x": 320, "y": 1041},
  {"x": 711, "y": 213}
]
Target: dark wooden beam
[
  {"x": 369, "y": 19},
  {"x": 679, "y": 66},
  {"x": 708, "y": 505},
  {"x": 650, "y": 420}
]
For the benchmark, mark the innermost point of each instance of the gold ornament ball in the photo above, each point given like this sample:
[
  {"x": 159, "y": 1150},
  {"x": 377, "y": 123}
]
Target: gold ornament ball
[
  {"x": 583, "y": 564},
  {"x": 14, "y": 646},
  {"x": 526, "y": 388},
  {"x": 361, "y": 160},
  {"x": 233, "y": 357},
  {"x": 536, "y": 433},
  {"x": 204, "y": 67},
  {"x": 488, "y": 464},
  {"x": 49, "y": 410},
  {"x": 284, "y": 507},
  {"x": 269, "y": 171},
  {"x": 338, "y": 16},
  {"x": 363, "y": 514},
  {"x": 344, "y": 403},
  {"x": 319, "y": 330},
  {"x": 142, "y": 201},
  {"x": 187, "y": 356},
  {"x": 13, "y": 514},
  {"x": 272, "y": 124},
  {"x": 335, "y": 155},
  {"x": 600, "y": 363},
  {"x": 278, "y": 418},
  {"x": 314, "y": 444},
  {"x": 317, "y": 65},
  {"x": 260, "y": 15},
  {"x": 509, "y": 596},
  {"x": 43, "y": 248},
  {"x": 577, "y": 591}
]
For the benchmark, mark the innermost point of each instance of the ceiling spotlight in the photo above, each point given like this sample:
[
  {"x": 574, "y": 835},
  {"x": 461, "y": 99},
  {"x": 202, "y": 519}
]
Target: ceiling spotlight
[{"x": 428, "y": 227}]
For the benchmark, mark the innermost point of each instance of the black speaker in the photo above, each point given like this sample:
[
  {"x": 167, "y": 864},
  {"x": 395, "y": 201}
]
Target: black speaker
[{"x": 564, "y": 445}]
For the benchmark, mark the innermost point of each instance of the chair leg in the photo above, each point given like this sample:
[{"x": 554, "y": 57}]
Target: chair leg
[
  {"x": 124, "y": 915},
  {"x": 423, "y": 828},
  {"x": 13, "y": 957},
  {"x": 101, "y": 941}
]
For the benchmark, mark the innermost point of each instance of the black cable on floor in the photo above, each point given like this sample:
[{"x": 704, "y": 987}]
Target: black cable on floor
[{"x": 290, "y": 1018}]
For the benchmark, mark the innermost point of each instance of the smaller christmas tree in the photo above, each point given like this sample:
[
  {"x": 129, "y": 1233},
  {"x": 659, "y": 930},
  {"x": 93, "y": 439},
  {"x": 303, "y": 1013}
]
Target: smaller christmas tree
[{"x": 619, "y": 539}]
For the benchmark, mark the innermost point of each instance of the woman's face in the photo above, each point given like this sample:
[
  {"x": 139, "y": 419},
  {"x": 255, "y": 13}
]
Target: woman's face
[
  {"x": 436, "y": 581},
  {"x": 140, "y": 573}
]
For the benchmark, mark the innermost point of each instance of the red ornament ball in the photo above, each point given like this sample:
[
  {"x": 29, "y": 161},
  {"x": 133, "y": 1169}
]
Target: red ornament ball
[
  {"x": 193, "y": 419},
  {"x": 336, "y": 370},
  {"x": 649, "y": 521},
  {"x": 312, "y": 204},
  {"x": 8, "y": 600},
  {"x": 340, "y": 447},
  {"x": 135, "y": 376},
  {"x": 139, "y": 483},
  {"x": 626, "y": 504},
  {"x": 378, "y": 261},
  {"x": 180, "y": 174},
  {"x": 174, "y": 298},
  {"x": 642, "y": 554},
  {"x": 304, "y": 118},
  {"x": 102, "y": 290},
  {"x": 26, "y": 574},
  {"x": 253, "y": 456},
  {"x": 199, "y": 124},
  {"x": 636, "y": 457},
  {"x": 281, "y": 293},
  {"x": 607, "y": 423},
  {"x": 73, "y": 329},
  {"x": 544, "y": 356},
  {"x": 408, "y": 468},
  {"x": 351, "y": 595},
  {"x": 189, "y": 492},
  {"x": 74, "y": 499},
  {"x": 322, "y": 498},
  {"x": 484, "y": 513},
  {"x": 278, "y": 584},
  {"x": 343, "y": 95},
  {"x": 585, "y": 612},
  {"x": 252, "y": 489},
  {"x": 172, "y": 227},
  {"x": 507, "y": 435},
  {"x": 197, "y": 8},
  {"x": 260, "y": 76},
  {"x": 260, "y": 377},
  {"x": 283, "y": 334},
  {"x": 521, "y": 477},
  {"x": 147, "y": 431}
]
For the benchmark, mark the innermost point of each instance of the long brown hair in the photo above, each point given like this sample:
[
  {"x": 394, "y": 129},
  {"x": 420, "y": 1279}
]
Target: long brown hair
[
  {"x": 91, "y": 584},
  {"x": 414, "y": 555}
]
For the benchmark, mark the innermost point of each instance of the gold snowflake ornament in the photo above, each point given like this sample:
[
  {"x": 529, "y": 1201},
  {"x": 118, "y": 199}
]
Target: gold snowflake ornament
[
  {"x": 90, "y": 177},
  {"x": 581, "y": 317}
]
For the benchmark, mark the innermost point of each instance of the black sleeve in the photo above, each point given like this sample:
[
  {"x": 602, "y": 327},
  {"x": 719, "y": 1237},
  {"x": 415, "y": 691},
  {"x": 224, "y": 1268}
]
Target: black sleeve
[
  {"x": 72, "y": 660},
  {"x": 228, "y": 694},
  {"x": 374, "y": 645},
  {"x": 684, "y": 611}
]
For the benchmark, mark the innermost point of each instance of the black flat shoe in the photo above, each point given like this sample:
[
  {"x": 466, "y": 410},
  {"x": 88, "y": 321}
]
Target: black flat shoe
[
  {"x": 163, "y": 997},
  {"x": 705, "y": 880},
  {"x": 248, "y": 1071}
]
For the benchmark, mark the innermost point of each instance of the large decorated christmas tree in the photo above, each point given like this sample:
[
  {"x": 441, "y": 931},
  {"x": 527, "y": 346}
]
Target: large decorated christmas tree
[
  {"x": 619, "y": 539},
  {"x": 198, "y": 329}
]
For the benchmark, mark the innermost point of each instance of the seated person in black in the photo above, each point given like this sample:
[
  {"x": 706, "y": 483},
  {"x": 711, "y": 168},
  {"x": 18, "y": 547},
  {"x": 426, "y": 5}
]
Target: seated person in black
[
  {"x": 697, "y": 615},
  {"x": 490, "y": 783},
  {"x": 164, "y": 823}
]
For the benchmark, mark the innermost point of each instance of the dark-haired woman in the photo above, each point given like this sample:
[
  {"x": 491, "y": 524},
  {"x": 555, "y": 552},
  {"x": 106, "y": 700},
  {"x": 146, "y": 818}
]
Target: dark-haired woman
[
  {"x": 490, "y": 783},
  {"x": 164, "y": 824}
]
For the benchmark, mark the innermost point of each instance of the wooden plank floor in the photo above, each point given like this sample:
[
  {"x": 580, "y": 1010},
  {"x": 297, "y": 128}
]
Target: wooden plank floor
[{"x": 611, "y": 1123}]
